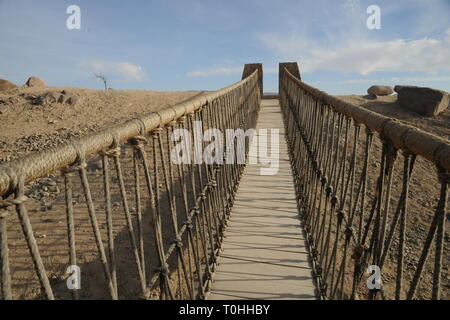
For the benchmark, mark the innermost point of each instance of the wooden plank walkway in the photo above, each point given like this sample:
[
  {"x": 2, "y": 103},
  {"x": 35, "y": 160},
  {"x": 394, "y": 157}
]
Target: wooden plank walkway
[{"x": 264, "y": 254}]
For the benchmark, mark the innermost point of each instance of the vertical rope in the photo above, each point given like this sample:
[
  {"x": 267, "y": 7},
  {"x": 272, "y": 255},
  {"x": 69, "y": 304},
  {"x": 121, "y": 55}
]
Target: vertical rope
[
  {"x": 68, "y": 174},
  {"x": 4, "y": 256},
  {"x": 205, "y": 202},
  {"x": 31, "y": 241},
  {"x": 94, "y": 222}
]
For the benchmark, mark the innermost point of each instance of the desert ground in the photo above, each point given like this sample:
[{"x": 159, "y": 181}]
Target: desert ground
[
  {"x": 32, "y": 121},
  {"x": 424, "y": 192},
  {"x": 388, "y": 106}
]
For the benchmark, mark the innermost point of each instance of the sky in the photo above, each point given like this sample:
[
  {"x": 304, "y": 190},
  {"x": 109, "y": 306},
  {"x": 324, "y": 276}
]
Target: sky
[{"x": 178, "y": 45}]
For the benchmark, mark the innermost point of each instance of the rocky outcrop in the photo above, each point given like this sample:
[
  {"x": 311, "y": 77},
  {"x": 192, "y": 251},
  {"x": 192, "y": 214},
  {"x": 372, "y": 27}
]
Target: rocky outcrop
[
  {"x": 35, "y": 82},
  {"x": 6, "y": 85},
  {"x": 67, "y": 98},
  {"x": 425, "y": 101},
  {"x": 45, "y": 99},
  {"x": 380, "y": 91},
  {"x": 53, "y": 97}
]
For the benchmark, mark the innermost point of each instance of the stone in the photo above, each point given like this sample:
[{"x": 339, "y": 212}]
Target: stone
[
  {"x": 71, "y": 100},
  {"x": 35, "y": 82},
  {"x": 425, "y": 101},
  {"x": 67, "y": 99},
  {"x": 380, "y": 91},
  {"x": 46, "y": 98},
  {"x": 95, "y": 165},
  {"x": 6, "y": 85}
]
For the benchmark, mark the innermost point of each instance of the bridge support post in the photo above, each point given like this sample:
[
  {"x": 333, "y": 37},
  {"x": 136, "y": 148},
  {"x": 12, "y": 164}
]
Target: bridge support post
[
  {"x": 292, "y": 67},
  {"x": 250, "y": 68}
]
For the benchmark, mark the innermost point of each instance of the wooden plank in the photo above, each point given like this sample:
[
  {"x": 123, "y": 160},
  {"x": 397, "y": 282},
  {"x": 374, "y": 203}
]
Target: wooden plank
[{"x": 264, "y": 254}]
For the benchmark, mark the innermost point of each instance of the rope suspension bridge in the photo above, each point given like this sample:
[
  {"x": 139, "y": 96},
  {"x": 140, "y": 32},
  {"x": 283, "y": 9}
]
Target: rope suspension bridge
[{"x": 341, "y": 203}]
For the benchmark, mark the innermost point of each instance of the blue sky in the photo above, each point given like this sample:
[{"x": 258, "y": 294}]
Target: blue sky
[{"x": 203, "y": 44}]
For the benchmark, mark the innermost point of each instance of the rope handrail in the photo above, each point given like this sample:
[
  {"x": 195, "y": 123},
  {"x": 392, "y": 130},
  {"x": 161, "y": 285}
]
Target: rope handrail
[
  {"x": 175, "y": 210},
  {"x": 357, "y": 203},
  {"x": 404, "y": 136},
  {"x": 40, "y": 163}
]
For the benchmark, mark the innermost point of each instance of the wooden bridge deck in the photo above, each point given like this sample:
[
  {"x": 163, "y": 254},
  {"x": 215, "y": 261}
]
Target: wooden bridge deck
[{"x": 264, "y": 254}]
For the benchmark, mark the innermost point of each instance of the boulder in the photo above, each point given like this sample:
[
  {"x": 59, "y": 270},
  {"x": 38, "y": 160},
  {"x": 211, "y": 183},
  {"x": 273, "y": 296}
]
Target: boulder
[
  {"x": 425, "y": 101},
  {"x": 72, "y": 100},
  {"x": 380, "y": 91},
  {"x": 46, "y": 98},
  {"x": 6, "y": 85},
  {"x": 67, "y": 99},
  {"x": 35, "y": 82}
]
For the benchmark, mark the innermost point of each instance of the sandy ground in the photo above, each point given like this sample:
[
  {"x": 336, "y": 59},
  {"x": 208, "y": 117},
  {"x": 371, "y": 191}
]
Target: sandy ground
[
  {"x": 388, "y": 106},
  {"x": 27, "y": 127},
  {"x": 423, "y": 199}
]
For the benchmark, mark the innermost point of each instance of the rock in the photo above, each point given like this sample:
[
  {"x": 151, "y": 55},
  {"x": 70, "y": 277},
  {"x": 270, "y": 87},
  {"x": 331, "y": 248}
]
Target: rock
[
  {"x": 95, "y": 165},
  {"x": 380, "y": 91},
  {"x": 6, "y": 85},
  {"x": 46, "y": 98},
  {"x": 370, "y": 97},
  {"x": 424, "y": 101},
  {"x": 67, "y": 99},
  {"x": 72, "y": 100},
  {"x": 35, "y": 83}
]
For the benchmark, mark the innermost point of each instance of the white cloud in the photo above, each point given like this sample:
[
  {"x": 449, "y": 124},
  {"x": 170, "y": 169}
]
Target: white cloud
[
  {"x": 398, "y": 79},
  {"x": 130, "y": 71},
  {"x": 338, "y": 39},
  {"x": 352, "y": 4},
  {"x": 224, "y": 71},
  {"x": 215, "y": 71},
  {"x": 270, "y": 70},
  {"x": 125, "y": 70},
  {"x": 364, "y": 57}
]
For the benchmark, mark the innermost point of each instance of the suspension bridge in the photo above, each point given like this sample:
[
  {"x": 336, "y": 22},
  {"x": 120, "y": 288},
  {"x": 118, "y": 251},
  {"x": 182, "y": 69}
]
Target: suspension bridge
[
  {"x": 345, "y": 198},
  {"x": 264, "y": 254}
]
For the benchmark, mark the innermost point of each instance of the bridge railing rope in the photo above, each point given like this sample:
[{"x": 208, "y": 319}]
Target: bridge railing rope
[
  {"x": 180, "y": 209},
  {"x": 355, "y": 172}
]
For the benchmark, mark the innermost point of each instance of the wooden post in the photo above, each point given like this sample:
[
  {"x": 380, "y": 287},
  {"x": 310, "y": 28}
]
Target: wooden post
[
  {"x": 250, "y": 68},
  {"x": 292, "y": 67}
]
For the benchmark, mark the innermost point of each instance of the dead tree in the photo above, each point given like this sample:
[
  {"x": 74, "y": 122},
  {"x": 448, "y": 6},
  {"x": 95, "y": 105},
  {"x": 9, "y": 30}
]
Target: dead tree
[{"x": 102, "y": 78}]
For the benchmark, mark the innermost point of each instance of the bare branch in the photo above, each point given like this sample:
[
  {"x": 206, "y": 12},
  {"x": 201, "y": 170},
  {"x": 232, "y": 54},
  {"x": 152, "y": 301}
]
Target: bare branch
[{"x": 102, "y": 78}]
